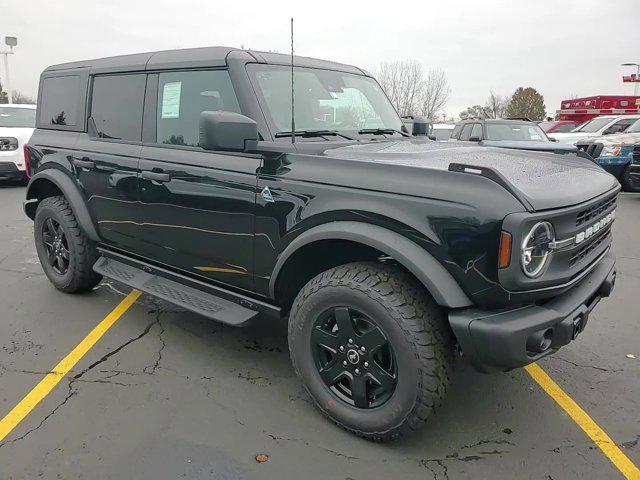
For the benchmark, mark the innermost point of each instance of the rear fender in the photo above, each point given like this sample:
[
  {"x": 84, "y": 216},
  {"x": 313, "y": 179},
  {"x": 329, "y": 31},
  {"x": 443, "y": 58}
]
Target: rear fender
[{"x": 47, "y": 182}]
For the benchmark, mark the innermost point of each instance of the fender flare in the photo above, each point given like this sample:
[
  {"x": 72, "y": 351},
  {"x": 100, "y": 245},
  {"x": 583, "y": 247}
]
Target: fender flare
[
  {"x": 71, "y": 192},
  {"x": 429, "y": 271}
]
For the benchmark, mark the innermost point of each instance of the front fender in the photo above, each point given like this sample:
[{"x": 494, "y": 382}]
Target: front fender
[
  {"x": 429, "y": 271},
  {"x": 40, "y": 187}
]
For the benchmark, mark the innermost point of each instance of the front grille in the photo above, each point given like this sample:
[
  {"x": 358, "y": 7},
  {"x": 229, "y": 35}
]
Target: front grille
[
  {"x": 595, "y": 210},
  {"x": 636, "y": 154},
  {"x": 585, "y": 250}
]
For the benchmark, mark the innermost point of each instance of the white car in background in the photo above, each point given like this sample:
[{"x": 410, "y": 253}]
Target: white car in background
[
  {"x": 17, "y": 123},
  {"x": 596, "y": 127},
  {"x": 441, "y": 132}
]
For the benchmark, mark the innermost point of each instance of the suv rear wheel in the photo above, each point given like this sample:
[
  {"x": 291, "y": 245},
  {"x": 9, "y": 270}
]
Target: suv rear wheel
[
  {"x": 66, "y": 254},
  {"x": 372, "y": 348}
]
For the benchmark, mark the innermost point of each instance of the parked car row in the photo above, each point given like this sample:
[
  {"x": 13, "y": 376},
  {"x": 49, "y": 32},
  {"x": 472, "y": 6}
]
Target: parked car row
[{"x": 596, "y": 127}]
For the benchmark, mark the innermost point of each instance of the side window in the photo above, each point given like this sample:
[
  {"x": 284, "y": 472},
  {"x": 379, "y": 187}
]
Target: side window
[
  {"x": 182, "y": 96},
  {"x": 466, "y": 132},
  {"x": 476, "y": 131},
  {"x": 456, "y": 131},
  {"x": 619, "y": 126},
  {"x": 116, "y": 106},
  {"x": 59, "y": 103}
]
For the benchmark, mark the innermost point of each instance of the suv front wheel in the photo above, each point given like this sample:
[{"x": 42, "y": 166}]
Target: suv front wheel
[{"x": 372, "y": 348}]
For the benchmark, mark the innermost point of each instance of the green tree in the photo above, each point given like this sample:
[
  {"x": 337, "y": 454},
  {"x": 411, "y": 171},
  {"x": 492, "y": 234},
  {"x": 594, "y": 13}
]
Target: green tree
[
  {"x": 477, "y": 111},
  {"x": 3, "y": 95},
  {"x": 526, "y": 103}
]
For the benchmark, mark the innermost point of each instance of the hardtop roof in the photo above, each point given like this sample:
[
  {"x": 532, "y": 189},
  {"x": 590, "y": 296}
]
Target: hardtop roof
[{"x": 195, "y": 58}]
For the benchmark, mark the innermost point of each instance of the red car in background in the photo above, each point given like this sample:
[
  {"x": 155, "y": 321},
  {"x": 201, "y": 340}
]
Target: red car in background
[{"x": 558, "y": 126}]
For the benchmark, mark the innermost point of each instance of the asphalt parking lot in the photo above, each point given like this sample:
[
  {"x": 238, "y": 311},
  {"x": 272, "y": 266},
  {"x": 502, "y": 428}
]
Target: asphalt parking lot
[{"x": 168, "y": 394}]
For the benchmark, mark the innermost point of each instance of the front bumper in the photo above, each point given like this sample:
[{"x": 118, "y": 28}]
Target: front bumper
[{"x": 499, "y": 340}]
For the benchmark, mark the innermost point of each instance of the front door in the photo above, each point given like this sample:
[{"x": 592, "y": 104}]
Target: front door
[{"x": 197, "y": 207}]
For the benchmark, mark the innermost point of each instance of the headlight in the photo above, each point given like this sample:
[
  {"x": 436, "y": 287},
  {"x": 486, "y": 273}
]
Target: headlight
[
  {"x": 535, "y": 254},
  {"x": 611, "y": 151},
  {"x": 8, "y": 144}
]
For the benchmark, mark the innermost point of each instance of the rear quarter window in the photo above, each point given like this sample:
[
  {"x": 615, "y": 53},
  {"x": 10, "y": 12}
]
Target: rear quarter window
[{"x": 59, "y": 101}]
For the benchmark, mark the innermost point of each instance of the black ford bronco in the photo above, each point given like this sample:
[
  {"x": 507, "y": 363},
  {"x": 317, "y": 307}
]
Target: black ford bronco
[{"x": 178, "y": 173}]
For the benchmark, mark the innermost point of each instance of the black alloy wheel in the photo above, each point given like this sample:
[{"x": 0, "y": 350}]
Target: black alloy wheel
[
  {"x": 354, "y": 357},
  {"x": 56, "y": 245}
]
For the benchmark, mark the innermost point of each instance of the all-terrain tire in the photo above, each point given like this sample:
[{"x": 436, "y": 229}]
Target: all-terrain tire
[
  {"x": 415, "y": 326},
  {"x": 79, "y": 275}
]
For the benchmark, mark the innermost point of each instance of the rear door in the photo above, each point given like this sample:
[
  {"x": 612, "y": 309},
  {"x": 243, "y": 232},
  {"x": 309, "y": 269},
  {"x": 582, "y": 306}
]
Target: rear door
[
  {"x": 106, "y": 158},
  {"x": 197, "y": 206}
]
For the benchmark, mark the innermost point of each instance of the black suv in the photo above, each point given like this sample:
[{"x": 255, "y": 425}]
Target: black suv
[
  {"x": 507, "y": 133},
  {"x": 178, "y": 173}
]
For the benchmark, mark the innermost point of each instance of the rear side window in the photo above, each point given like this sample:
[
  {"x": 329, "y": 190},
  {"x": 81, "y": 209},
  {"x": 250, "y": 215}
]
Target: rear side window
[
  {"x": 456, "y": 131},
  {"x": 59, "y": 102},
  {"x": 116, "y": 106},
  {"x": 476, "y": 132},
  {"x": 182, "y": 96}
]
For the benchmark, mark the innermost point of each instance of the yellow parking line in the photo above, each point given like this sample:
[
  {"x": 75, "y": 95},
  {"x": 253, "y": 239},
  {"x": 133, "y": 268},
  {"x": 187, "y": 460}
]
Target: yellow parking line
[
  {"x": 584, "y": 421},
  {"x": 42, "y": 389}
]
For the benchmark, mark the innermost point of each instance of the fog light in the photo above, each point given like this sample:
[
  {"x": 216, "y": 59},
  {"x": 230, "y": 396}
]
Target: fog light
[{"x": 540, "y": 341}]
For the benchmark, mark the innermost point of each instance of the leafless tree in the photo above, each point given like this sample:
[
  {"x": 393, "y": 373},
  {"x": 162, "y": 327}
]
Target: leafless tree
[
  {"x": 403, "y": 82},
  {"x": 410, "y": 92},
  {"x": 496, "y": 106},
  {"x": 19, "y": 97},
  {"x": 435, "y": 94}
]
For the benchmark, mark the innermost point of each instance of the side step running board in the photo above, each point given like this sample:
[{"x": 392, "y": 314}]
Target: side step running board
[{"x": 190, "y": 298}]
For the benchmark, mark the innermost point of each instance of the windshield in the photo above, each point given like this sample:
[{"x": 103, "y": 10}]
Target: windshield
[
  {"x": 594, "y": 125},
  {"x": 17, "y": 117},
  {"x": 324, "y": 99},
  {"x": 515, "y": 132}
]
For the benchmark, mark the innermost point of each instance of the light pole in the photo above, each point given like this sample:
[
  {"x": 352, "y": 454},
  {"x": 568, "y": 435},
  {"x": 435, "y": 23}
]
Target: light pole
[
  {"x": 10, "y": 42},
  {"x": 637, "y": 79}
]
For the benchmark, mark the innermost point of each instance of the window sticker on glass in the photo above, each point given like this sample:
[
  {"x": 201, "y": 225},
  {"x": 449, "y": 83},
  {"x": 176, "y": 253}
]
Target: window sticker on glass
[{"x": 171, "y": 99}]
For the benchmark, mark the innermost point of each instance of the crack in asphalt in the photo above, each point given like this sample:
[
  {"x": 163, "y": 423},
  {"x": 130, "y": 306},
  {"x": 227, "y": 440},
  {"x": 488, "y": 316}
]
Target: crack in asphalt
[
  {"x": 151, "y": 369},
  {"x": 601, "y": 369},
  {"x": 445, "y": 470},
  {"x": 77, "y": 378},
  {"x": 456, "y": 457}
]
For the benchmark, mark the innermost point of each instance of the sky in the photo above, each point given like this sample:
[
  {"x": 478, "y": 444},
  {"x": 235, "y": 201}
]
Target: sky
[{"x": 563, "y": 48}]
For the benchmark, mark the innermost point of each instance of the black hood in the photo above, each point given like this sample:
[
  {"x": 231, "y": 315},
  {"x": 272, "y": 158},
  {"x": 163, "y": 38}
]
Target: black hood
[{"x": 544, "y": 180}]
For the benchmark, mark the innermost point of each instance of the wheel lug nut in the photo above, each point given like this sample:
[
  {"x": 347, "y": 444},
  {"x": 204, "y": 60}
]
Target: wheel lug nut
[
  {"x": 344, "y": 363},
  {"x": 362, "y": 349},
  {"x": 342, "y": 348},
  {"x": 351, "y": 340},
  {"x": 357, "y": 371},
  {"x": 366, "y": 364}
]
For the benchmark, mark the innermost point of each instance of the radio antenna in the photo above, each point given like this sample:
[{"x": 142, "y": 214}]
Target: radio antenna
[{"x": 293, "y": 121}]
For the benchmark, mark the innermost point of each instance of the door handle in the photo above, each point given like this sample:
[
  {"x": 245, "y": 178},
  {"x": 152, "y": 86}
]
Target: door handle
[
  {"x": 84, "y": 163},
  {"x": 156, "y": 176}
]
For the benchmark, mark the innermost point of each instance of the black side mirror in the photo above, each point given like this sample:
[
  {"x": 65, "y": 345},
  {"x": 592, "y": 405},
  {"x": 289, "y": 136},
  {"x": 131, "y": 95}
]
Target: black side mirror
[
  {"x": 421, "y": 126},
  {"x": 432, "y": 137},
  {"x": 227, "y": 131},
  {"x": 474, "y": 139}
]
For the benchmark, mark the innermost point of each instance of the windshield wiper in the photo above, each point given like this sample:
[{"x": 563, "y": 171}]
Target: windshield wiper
[
  {"x": 382, "y": 131},
  {"x": 312, "y": 133}
]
